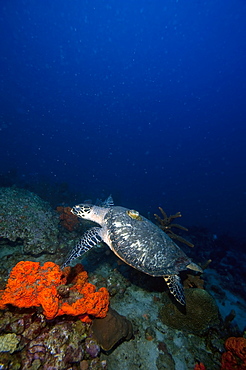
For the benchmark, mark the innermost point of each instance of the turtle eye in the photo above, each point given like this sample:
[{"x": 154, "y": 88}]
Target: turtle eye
[{"x": 85, "y": 209}]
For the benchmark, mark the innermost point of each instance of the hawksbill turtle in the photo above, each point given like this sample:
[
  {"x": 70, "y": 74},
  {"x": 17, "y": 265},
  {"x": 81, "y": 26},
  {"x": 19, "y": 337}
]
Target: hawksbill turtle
[{"x": 135, "y": 240}]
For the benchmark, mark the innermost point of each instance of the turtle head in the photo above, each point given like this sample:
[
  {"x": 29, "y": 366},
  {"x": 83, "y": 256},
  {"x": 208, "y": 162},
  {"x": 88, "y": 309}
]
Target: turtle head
[
  {"x": 90, "y": 212},
  {"x": 82, "y": 210}
]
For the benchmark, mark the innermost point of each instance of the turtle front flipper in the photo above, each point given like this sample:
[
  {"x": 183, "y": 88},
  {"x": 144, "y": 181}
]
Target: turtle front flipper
[
  {"x": 89, "y": 240},
  {"x": 175, "y": 287}
]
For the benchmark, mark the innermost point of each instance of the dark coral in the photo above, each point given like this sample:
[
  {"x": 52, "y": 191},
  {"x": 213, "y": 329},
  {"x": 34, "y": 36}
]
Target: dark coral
[
  {"x": 201, "y": 312},
  {"x": 111, "y": 330}
]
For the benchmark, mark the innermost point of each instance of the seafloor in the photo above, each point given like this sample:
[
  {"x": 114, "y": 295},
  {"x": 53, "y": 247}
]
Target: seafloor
[{"x": 162, "y": 335}]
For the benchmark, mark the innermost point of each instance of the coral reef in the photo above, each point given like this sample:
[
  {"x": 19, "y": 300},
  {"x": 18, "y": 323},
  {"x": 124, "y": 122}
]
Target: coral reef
[
  {"x": 62, "y": 341},
  {"x": 111, "y": 329},
  {"x": 235, "y": 356},
  {"x": 32, "y": 285},
  {"x": 28, "y": 341},
  {"x": 201, "y": 312},
  {"x": 25, "y": 216},
  {"x": 68, "y": 220}
]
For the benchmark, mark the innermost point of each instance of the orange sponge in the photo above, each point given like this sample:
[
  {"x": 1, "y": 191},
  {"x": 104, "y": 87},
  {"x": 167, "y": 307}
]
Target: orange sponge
[
  {"x": 235, "y": 356},
  {"x": 32, "y": 285},
  {"x": 199, "y": 366}
]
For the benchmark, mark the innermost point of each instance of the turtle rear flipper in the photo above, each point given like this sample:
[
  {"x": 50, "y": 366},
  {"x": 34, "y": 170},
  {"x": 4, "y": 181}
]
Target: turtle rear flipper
[
  {"x": 90, "y": 239},
  {"x": 176, "y": 288}
]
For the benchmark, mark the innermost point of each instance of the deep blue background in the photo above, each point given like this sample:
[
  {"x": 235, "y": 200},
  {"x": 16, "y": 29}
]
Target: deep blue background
[{"x": 143, "y": 99}]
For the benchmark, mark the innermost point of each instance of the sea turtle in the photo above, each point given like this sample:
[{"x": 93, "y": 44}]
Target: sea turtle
[{"x": 135, "y": 240}]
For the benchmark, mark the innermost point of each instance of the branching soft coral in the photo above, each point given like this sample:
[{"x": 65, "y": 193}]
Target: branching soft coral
[
  {"x": 235, "y": 356},
  {"x": 166, "y": 224},
  {"x": 32, "y": 285}
]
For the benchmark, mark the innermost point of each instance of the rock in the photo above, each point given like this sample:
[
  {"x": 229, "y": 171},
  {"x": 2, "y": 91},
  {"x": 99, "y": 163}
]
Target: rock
[{"x": 24, "y": 215}]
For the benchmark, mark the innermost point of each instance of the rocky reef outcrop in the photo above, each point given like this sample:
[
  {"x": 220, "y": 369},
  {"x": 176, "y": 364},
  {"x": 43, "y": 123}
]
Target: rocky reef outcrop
[{"x": 26, "y": 217}]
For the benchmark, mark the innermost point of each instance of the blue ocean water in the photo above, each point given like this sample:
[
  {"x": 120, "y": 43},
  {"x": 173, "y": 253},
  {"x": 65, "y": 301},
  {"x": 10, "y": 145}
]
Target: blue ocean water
[{"x": 144, "y": 100}]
